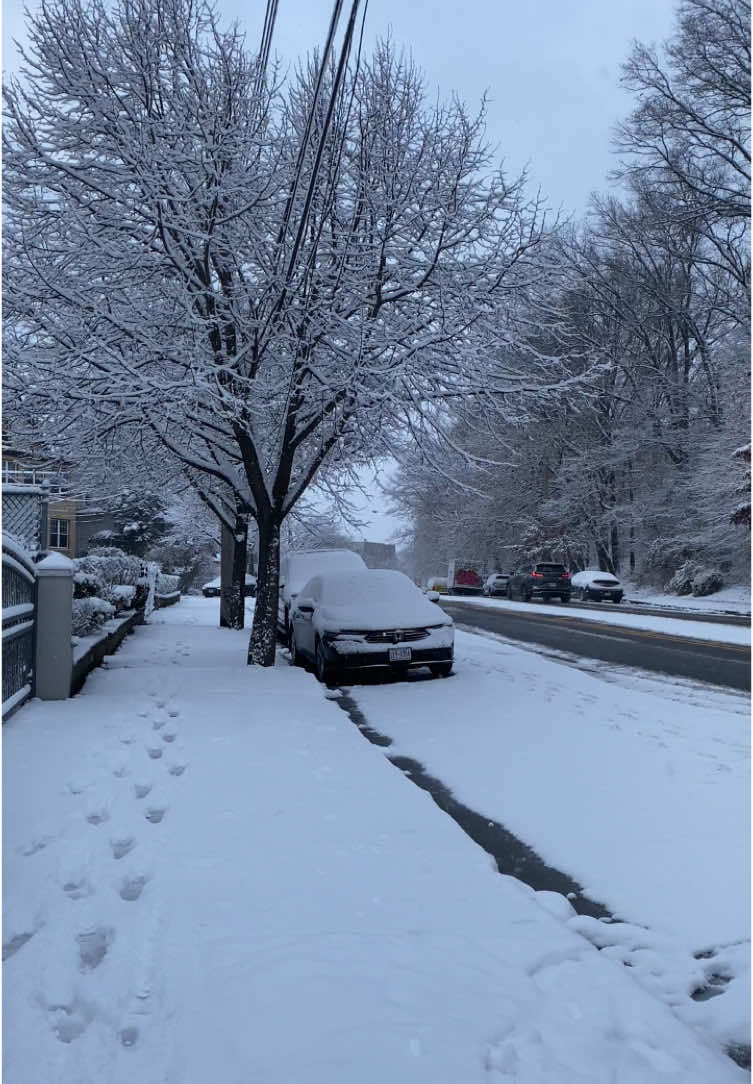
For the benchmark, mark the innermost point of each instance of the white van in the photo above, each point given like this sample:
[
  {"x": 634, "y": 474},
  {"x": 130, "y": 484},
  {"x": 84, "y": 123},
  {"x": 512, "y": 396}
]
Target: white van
[{"x": 297, "y": 568}]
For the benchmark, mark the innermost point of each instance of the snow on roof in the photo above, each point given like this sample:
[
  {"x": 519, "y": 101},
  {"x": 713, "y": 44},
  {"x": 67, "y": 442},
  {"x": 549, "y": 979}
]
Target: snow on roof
[
  {"x": 373, "y": 599},
  {"x": 590, "y": 575}
]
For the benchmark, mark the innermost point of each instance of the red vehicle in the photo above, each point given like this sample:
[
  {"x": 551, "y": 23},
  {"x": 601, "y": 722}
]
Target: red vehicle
[{"x": 464, "y": 578}]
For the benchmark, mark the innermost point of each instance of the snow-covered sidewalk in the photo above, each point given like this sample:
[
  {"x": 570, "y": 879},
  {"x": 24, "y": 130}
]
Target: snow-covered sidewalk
[{"x": 210, "y": 875}]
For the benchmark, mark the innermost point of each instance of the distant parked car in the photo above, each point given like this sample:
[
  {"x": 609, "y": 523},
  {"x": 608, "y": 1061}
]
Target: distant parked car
[
  {"x": 298, "y": 567},
  {"x": 544, "y": 580},
  {"x": 496, "y": 584},
  {"x": 597, "y": 585},
  {"x": 373, "y": 618},
  {"x": 212, "y": 589}
]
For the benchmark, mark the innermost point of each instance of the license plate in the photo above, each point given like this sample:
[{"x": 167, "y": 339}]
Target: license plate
[{"x": 399, "y": 654}]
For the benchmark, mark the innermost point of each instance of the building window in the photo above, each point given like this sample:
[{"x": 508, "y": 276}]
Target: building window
[{"x": 59, "y": 533}]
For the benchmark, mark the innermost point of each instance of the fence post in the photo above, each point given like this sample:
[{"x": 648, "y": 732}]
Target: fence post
[{"x": 54, "y": 661}]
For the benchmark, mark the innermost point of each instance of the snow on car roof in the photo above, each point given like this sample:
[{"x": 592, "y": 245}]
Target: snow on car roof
[
  {"x": 581, "y": 579},
  {"x": 373, "y": 599}
]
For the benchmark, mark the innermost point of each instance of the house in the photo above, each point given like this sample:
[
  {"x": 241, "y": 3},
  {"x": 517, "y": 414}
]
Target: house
[
  {"x": 38, "y": 508},
  {"x": 379, "y": 554}
]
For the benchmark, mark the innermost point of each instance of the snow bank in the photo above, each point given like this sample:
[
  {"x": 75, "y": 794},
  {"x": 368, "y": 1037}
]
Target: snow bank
[{"x": 670, "y": 626}]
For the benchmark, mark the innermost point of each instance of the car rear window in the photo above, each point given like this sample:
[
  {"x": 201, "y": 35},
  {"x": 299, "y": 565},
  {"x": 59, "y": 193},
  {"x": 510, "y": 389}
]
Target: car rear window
[{"x": 559, "y": 569}]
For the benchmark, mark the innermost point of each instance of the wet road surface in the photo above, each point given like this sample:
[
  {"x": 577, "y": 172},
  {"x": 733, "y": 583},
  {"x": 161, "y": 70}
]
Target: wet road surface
[{"x": 681, "y": 656}]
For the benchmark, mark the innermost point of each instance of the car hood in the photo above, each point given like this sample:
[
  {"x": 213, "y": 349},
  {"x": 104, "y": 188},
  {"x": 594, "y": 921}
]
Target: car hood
[{"x": 411, "y": 614}]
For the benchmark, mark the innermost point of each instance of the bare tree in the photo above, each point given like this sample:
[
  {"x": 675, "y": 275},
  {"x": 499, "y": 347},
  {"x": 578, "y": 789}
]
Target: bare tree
[
  {"x": 688, "y": 137},
  {"x": 260, "y": 278}
]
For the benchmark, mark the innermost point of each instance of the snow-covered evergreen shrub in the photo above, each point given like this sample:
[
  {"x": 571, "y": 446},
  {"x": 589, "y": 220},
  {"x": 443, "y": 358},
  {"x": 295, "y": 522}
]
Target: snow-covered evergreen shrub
[
  {"x": 706, "y": 581},
  {"x": 167, "y": 584},
  {"x": 112, "y": 575},
  {"x": 89, "y": 614},
  {"x": 111, "y": 566},
  {"x": 682, "y": 581},
  {"x": 86, "y": 585},
  {"x": 123, "y": 595}
]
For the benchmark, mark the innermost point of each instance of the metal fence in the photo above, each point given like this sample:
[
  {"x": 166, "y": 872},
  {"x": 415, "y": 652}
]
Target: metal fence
[{"x": 19, "y": 622}]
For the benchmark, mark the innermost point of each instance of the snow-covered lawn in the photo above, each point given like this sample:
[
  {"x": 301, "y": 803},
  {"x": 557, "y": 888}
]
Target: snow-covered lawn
[
  {"x": 734, "y": 599},
  {"x": 637, "y": 788},
  {"x": 210, "y": 876},
  {"x": 670, "y": 626}
]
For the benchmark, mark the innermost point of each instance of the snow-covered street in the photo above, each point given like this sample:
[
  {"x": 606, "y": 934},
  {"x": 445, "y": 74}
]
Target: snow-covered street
[
  {"x": 210, "y": 875},
  {"x": 635, "y": 785}
]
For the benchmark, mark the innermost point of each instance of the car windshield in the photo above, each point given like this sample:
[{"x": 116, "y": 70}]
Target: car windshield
[
  {"x": 369, "y": 588},
  {"x": 559, "y": 569}
]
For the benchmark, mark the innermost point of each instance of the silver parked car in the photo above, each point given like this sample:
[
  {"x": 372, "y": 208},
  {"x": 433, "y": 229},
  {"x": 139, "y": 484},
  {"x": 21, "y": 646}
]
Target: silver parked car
[
  {"x": 496, "y": 584},
  {"x": 369, "y": 619}
]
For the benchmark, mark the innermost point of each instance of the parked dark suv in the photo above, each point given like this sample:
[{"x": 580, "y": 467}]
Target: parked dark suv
[{"x": 543, "y": 580}]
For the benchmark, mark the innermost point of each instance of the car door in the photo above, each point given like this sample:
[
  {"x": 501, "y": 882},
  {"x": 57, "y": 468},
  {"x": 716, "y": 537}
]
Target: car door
[{"x": 303, "y": 623}]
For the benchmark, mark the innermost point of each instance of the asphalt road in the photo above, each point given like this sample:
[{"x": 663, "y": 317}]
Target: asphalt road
[
  {"x": 700, "y": 660},
  {"x": 630, "y": 606}
]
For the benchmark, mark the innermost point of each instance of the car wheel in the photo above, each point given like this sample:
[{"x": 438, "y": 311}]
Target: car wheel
[
  {"x": 616, "y": 598},
  {"x": 508, "y": 593},
  {"x": 441, "y": 669},
  {"x": 582, "y": 594},
  {"x": 564, "y": 598},
  {"x": 526, "y": 595},
  {"x": 324, "y": 671}
]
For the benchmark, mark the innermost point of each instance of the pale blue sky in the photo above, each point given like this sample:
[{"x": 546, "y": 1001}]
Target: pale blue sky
[{"x": 551, "y": 68}]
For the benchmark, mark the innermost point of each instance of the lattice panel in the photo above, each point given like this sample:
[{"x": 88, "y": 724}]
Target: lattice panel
[{"x": 22, "y": 515}]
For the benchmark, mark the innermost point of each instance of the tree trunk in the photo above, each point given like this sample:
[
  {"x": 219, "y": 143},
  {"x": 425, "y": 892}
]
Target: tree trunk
[
  {"x": 615, "y": 548},
  {"x": 233, "y": 574},
  {"x": 262, "y": 646},
  {"x": 603, "y": 557}
]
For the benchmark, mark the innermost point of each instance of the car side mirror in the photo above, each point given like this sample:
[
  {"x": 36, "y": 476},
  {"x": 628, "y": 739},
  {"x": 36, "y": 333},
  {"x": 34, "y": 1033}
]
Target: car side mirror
[
  {"x": 433, "y": 596},
  {"x": 305, "y": 605}
]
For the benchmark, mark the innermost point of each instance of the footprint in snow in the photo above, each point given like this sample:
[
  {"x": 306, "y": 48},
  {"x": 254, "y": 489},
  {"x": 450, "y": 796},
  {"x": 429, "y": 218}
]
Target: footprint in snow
[
  {"x": 131, "y": 887},
  {"x": 13, "y": 944},
  {"x": 129, "y": 1036},
  {"x": 37, "y": 844},
  {"x": 93, "y": 946},
  {"x": 121, "y": 847},
  {"x": 169, "y": 735},
  {"x": 154, "y": 751},
  {"x": 98, "y": 816},
  {"x": 177, "y": 768},
  {"x": 70, "y": 1021},
  {"x": 77, "y": 888},
  {"x": 155, "y": 814},
  {"x": 142, "y": 789}
]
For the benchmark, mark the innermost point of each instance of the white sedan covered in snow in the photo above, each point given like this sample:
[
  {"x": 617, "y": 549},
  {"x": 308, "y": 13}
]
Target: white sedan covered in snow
[
  {"x": 597, "y": 585},
  {"x": 367, "y": 619}
]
